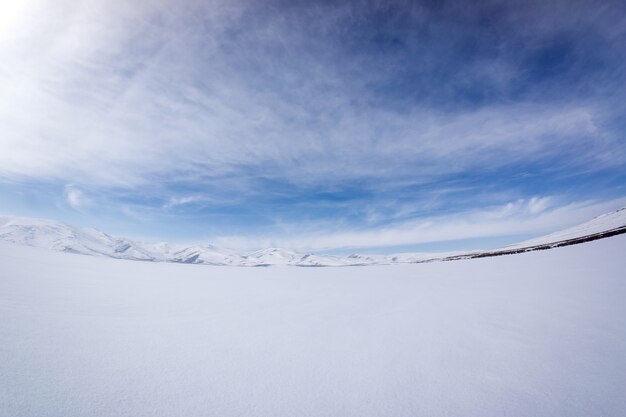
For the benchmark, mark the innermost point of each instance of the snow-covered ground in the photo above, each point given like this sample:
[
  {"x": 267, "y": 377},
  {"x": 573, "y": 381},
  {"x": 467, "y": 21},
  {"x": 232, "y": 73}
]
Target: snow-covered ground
[
  {"x": 609, "y": 221},
  {"x": 534, "y": 334}
]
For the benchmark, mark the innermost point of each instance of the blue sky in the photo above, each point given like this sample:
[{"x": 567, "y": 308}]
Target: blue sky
[{"x": 325, "y": 126}]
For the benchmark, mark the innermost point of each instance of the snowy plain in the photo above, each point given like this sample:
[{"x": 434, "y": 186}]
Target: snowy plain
[{"x": 534, "y": 334}]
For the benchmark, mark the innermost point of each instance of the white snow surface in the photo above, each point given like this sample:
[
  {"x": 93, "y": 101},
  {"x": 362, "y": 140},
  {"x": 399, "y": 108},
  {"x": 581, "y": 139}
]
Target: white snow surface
[
  {"x": 533, "y": 334},
  {"x": 602, "y": 223},
  {"x": 66, "y": 238}
]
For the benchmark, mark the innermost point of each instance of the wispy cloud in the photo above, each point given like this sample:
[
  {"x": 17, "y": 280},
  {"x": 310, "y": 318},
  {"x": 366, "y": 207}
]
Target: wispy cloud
[
  {"x": 120, "y": 104},
  {"x": 538, "y": 215},
  {"x": 262, "y": 105},
  {"x": 76, "y": 198}
]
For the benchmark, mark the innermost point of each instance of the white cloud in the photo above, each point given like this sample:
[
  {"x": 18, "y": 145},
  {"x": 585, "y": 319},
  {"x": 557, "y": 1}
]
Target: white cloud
[
  {"x": 179, "y": 201},
  {"x": 538, "y": 215},
  {"x": 126, "y": 98},
  {"x": 124, "y": 93},
  {"x": 76, "y": 198}
]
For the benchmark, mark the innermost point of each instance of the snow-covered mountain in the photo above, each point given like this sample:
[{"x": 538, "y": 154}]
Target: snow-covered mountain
[
  {"x": 65, "y": 238},
  {"x": 62, "y": 237}
]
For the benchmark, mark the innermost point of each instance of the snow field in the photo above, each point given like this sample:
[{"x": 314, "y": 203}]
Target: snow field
[{"x": 536, "y": 334}]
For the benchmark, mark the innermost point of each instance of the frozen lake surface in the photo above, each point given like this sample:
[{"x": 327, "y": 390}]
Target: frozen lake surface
[{"x": 535, "y": 334}]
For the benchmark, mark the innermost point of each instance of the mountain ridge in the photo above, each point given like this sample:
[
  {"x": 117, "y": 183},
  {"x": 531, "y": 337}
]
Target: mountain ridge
[{"x": 62, "y": 237}]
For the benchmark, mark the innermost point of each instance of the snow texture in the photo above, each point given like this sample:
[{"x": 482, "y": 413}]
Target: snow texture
[{"x": 533, "y": 334}]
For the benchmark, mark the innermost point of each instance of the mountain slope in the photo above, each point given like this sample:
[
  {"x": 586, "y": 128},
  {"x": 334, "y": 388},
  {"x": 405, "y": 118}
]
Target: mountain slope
[
  {"x": 65, "y": 238},
  {"x": 62, "y": 237}
]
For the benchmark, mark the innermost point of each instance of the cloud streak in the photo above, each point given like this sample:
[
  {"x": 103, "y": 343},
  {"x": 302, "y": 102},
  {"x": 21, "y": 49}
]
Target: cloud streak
[
  {"x": 519, "y": 218},
  {"x": 190, "y": 105}
]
